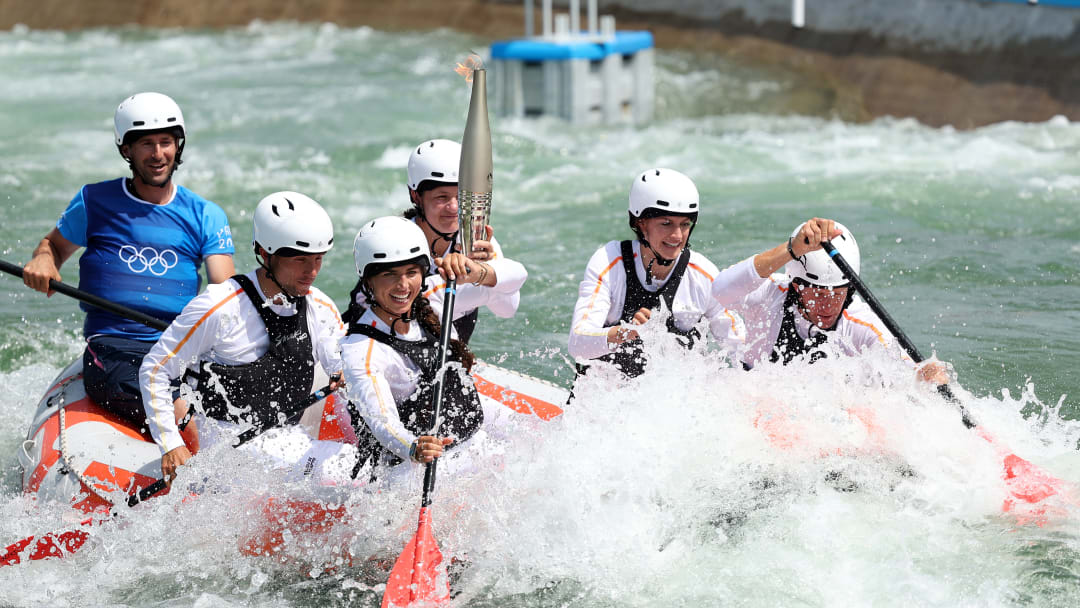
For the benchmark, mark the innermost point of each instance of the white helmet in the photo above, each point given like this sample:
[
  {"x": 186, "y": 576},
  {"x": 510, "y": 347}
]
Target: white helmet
[
  {"x": 390, "y": 241},
  {"x": 663, "y": 192},
  {"x": 817, "y": 268},
  {"x": 436, "y": 160},
  {"x": 290, "y": 220},
  {"x": 146, "y": 112}
]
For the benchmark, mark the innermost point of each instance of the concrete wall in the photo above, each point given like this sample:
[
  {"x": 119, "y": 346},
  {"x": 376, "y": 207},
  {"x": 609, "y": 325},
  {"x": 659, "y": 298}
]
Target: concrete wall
[{"x": 961, "y": 62}]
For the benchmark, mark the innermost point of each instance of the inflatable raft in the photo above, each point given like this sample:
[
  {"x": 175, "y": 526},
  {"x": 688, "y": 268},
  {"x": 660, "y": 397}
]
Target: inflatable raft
[{"x": 77, "y": 453}]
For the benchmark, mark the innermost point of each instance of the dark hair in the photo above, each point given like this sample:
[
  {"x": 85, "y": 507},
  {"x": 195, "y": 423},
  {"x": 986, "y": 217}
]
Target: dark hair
[
  {"x": 177, "y": 133},
  {"x": 652, "y": 212},
  {"x": 427, "y": 185},
  {"x": 425, "y": 315},
  {"x": 422, "y": 312}
]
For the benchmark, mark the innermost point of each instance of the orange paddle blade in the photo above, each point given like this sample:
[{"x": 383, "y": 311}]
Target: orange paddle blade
[{"x": 419, "y": 576}]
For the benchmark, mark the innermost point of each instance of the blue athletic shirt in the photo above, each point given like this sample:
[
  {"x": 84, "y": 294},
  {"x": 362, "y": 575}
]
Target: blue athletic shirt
[{"x": 141, "y": 255}]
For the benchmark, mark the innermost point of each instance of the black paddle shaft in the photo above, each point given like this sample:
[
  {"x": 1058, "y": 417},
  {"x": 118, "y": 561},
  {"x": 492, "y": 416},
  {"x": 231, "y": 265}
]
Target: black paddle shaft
[
  {"x": 893, "y": 328},
  {"x": 92, "y": 300},
  {"x": 437, "y": 397},
  {"x": 864, "y": 291}
]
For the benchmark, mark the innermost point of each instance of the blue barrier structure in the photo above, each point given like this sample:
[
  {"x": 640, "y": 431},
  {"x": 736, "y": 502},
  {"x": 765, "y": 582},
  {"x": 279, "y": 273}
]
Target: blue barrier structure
[{"x": 596, "y": 76}]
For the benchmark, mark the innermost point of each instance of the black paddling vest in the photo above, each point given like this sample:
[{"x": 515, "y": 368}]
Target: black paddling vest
[
  {"x": 461, "y": 412},
  {"x": 789, "y": 344},
  {"x": 629, "y": 356},
  {"x": 466, "y": 325},
  {"x": 256, "y": 392}
]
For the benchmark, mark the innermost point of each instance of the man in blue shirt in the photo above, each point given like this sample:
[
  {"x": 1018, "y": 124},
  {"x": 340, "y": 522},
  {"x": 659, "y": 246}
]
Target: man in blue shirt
[{"x": 145, "y": 238}]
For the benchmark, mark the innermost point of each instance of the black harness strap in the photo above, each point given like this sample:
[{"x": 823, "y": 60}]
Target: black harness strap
[
  {"x": 629, "y": 357},
  {"x": 462, "y": 414},
  {"x": 465, "y": 326},
  {"x": 255, "y": 392},
  {"x": 789, "y": 344}
]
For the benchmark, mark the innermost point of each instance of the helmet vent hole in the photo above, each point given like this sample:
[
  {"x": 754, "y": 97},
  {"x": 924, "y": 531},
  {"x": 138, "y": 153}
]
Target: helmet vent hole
[
  {"x": 692, "y": 205},
  {"x": 414, "y": 250},
  {"x": 663, "y": 203},
  {"x": 303, "y": 243},
  {"x": 812, "y": 276},
  {"x": 378, "y": 256},
  {"x": 138, "y": 123},
  {"x": 437, "y": 174},
  {"x": 171, "y": 119}
]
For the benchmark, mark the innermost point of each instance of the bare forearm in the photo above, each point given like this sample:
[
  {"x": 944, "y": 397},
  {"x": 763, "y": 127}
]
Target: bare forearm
[{"x": 768, "y": 262}]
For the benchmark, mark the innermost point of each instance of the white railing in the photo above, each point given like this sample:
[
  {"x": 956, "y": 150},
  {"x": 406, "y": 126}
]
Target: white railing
[{"x": 569, "y": 24}]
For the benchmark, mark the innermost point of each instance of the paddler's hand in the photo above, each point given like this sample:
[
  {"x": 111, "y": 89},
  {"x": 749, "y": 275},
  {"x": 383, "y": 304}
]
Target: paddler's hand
[
  {"x": 933, "y": 371},
  {"x": 464, "y": 270},
  {"x": 173, "y": 458},
  {"x": 482, "y": 251},
  {"x": 38, "y": 272},
  {"x": 617, "y": 334},
  {"x": 337, "y": 380},
  {"x": 427, "y": 448},
  {"x": 814, "y": 232}
]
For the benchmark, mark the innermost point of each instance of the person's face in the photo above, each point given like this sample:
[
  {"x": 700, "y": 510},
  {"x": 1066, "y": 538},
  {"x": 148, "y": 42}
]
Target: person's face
[
  {"x": 297, "y": 274},
  {"x": 667, "y": 234},
  {"x": 440, "y": 207},
  {"x": 152, "y": 158},
  {"x": 821, "y": 306},
  {"x": 395, "y": 289}
]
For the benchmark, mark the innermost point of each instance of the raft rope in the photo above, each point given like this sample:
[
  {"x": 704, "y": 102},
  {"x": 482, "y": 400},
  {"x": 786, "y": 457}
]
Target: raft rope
[{"x": 63, "y": 442}]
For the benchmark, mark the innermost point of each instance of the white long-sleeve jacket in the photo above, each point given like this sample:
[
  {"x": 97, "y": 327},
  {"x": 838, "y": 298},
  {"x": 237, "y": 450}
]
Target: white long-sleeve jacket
[
  {"x": 602, "y": 293},
  {"x": 760, "y": 301},
  {"x": 502, "y": 299},
  {"x": 379, "y": 377},
  {"x": 222, "y": 325}
]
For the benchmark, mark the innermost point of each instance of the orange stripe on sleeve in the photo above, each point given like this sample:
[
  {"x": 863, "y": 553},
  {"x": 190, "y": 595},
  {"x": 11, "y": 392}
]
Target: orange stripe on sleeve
[
  {"x": 187, "y": 336},
  {"x": 332, "y": 309},
  {"x": 699, "y": 269},
  {"x": 599, "y": 282},
  {"x": 191, "y": 331},
  {"x": 880, "y": 337},
  {"x": 378, "y": 393}
]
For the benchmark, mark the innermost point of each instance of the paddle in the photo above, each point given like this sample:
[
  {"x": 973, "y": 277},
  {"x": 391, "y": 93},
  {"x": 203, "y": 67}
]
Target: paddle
[
  {"x": 415, "y": 576},
  {"x": 1026, "y": 482},
  {"x": 92, "y": 300},
  {"x": 891, "y": 324},
  {"x": 57, "y": 544}
]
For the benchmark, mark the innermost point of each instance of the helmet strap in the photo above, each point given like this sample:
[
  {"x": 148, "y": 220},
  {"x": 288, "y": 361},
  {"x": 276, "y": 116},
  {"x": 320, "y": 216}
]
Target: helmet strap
[
  {"x": 405, "y": 318},
  {"x": 657, "y": 259},
  {"x": 266, "y": 265},
  {"x": 449, "y": 237}
]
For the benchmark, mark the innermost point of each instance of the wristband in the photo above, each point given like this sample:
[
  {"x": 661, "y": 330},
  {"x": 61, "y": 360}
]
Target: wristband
[
  {"x": 412, "y": 451},
  {"x": 791, "y": 251},
  {"x": 483, "y": 273}
]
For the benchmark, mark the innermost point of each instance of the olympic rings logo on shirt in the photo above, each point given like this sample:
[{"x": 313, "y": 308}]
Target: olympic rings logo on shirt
[{"x": 148, "y": 258}]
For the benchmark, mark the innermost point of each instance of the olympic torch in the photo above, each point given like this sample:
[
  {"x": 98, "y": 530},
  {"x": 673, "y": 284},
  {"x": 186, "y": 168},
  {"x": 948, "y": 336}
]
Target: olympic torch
[{"x": 474, "y": 172}]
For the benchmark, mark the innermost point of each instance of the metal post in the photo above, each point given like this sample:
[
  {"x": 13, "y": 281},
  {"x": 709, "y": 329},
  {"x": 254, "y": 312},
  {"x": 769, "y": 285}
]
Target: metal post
[
  {"x": 562, "y": 26},
  {"x": 798, "y": 13},
  {"x": 529, "y": 18},
  {"x": 592, "y": 18},
  {"x": 607, "y": 27},
  {"x": 575, "y": 17},
  {"x": 546, "y": 17}
]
